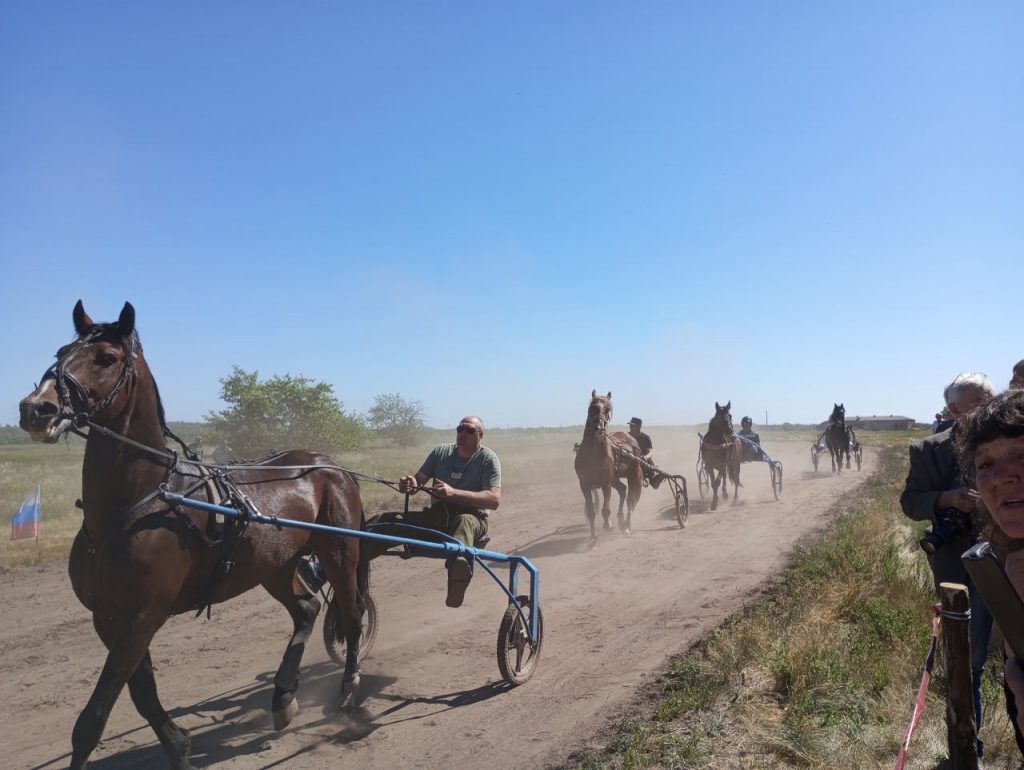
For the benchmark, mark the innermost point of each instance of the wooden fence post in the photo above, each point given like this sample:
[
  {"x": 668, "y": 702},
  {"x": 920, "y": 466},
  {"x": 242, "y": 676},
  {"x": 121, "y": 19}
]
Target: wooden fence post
[{"x": 956, "y": 638}]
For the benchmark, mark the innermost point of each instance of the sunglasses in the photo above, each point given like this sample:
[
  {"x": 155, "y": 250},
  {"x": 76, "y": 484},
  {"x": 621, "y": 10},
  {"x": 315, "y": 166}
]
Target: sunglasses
[{"x": 465, "y": 429}]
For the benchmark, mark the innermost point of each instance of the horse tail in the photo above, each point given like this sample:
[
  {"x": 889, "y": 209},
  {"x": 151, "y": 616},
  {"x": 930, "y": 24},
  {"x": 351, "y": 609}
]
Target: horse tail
[{"x": 362, "y": 584}]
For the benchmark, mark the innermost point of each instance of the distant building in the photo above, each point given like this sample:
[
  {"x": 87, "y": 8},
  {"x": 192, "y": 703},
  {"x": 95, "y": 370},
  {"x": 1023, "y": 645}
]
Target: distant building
[{"x": 877, "y": 422}]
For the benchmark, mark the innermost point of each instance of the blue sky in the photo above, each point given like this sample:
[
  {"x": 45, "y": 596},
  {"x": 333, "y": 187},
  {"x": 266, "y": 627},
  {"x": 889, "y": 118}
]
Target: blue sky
[{"x": 495, "y": 209}]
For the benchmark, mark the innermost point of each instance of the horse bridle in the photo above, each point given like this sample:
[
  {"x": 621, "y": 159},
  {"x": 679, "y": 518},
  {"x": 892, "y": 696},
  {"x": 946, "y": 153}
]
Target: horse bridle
[
  {"x": 69, "y": 388},
  {"x": 600, "y": 418}
]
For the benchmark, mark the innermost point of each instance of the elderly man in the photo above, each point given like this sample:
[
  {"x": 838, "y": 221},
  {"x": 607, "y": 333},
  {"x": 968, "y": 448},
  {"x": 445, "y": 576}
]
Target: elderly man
[
  {"x": 936, "y": 492},
  {"x": 1017, "y": 381}
]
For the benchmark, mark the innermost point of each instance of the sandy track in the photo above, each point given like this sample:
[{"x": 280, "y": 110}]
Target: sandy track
[{"x": 432, "y": 695}]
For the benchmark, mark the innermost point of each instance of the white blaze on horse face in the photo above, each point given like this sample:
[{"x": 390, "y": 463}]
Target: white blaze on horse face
[{"x": 46, "y": 393}]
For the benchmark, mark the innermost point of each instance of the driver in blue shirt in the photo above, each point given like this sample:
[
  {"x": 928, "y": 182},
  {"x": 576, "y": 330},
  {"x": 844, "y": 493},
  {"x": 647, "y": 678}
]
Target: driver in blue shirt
[{"x": 750, "y": 451}]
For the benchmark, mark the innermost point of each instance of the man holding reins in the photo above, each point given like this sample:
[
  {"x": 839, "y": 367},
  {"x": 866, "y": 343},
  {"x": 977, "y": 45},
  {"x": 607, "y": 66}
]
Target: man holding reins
[{"x": 467, "y": 485}]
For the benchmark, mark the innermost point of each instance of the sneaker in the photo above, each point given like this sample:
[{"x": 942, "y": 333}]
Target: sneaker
[
  {"x": 312, "y": 574},
  {"x": 459, "y": 575}
]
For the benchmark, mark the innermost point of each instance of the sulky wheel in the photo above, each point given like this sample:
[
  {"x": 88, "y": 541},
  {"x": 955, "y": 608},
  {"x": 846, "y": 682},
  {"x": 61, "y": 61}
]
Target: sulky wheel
[
  {"x": 334, "y": 639},
  {"x": 776, "y": 471},
  {"x": 703, "y": 482},
  {"x": 517, "y": 656},
  {"x": 682, "y": 500},
  {"x": 859, "y": 458},
  {"x": 814, "y": 457}
]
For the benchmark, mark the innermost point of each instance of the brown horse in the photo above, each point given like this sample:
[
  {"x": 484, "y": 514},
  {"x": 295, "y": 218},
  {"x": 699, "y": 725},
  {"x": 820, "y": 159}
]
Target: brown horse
[
  {"x": 721, "y": 453},
  {"x": 136, "y": 560},
  {"x": 601, "y": 460}
]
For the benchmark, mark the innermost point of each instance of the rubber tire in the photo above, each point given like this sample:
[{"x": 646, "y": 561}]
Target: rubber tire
[
  {"x": 776, "y": 471},
  {"x": 703, "y": 483},
  {"x": 859, "y": 458},
  {"x": 511, "y": 628},
  {"x": 336, "y": 647},
  {"x": 682, "y": 502},
  {"x": 814, "y": 458}
]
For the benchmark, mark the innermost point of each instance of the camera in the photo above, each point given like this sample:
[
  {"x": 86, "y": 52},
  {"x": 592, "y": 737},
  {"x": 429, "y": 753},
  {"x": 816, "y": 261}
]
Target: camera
[{"x": 949, "y": 523}]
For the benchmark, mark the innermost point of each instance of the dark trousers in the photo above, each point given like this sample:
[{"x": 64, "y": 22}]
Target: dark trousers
[{"x": 467, "y": 528}]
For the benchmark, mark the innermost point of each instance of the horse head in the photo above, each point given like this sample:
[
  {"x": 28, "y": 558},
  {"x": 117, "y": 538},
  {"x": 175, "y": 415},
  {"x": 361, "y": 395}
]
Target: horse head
[
  {"x": 599, "y": 414},
  {"x": 838, "y": 416},
  {"x": 721, "y": 424},
  {"x": 93, "y": 377}
]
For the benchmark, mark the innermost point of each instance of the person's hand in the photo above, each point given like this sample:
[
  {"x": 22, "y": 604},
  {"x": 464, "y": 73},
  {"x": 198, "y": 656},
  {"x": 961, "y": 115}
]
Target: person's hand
[
  {"x": 442, "y": 491},
  {"x": 963, "y": 499},
  {"x": 408, "y": 485}
]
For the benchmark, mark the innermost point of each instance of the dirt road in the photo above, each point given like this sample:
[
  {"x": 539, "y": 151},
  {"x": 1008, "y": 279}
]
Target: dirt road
[{"x": 431, "y": 691}]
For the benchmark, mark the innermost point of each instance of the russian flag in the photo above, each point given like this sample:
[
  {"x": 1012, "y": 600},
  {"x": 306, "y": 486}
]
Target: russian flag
[{"x": 26, "y": 521}]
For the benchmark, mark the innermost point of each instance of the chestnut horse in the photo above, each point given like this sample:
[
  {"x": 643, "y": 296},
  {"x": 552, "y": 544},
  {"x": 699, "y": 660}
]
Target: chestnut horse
[
  {"x": 721, "y": 453},
  {"x": 137, "y": 560},
  {"x": 837, "y": 438},
  {"x": 601, "y": 460}
]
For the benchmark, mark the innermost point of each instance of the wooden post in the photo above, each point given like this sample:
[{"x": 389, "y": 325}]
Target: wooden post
[{"x": 956, "y": 639}]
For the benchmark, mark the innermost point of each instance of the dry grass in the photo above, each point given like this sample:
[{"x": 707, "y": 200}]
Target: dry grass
[{"x": 822, "y": 673}]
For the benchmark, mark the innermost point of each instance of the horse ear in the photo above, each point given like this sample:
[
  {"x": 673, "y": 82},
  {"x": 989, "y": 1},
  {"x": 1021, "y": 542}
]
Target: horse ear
[
  {"x": 728, "y": 405},
  {"x": 126, "y": 321},
  {"x": 80, "y": 317},
  {"x": 593, "y": 393},
  {"x": 609, "y": 395}
]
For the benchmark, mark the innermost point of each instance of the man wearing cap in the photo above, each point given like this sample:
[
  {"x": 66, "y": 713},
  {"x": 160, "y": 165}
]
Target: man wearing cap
[
  {"x": 750, "y": 452},
  {"x": 646, "y": 446}
]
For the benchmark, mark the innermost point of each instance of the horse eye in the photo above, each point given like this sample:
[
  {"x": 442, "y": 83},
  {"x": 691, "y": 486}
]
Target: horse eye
[{"x": 107, "y": 359}]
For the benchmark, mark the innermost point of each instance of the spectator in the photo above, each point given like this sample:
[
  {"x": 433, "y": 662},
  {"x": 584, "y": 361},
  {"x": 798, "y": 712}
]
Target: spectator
[
  {"x": 1017, "y": 381},
  {"x": 991, "y": 443},
  {"x": 935, "y": 492}
]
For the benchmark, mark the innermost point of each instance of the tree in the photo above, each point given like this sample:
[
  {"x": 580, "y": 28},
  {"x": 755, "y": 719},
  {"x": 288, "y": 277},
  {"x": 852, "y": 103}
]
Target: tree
[
  {"x": 283, "y": 412},
  {"x": 395, "y": 418}
]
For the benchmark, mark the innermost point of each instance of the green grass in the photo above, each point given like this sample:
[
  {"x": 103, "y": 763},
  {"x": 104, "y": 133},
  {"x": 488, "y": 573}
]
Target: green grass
[{"x": 822, "y": 673}]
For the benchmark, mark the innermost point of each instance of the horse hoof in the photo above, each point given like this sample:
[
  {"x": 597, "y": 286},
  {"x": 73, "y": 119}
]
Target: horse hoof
[
  {"x": 283, "y": 716},
  {"x": 348, "y": 694},
  {"x": 626, "y": 532},
  {"x": 607, "y": 527}
]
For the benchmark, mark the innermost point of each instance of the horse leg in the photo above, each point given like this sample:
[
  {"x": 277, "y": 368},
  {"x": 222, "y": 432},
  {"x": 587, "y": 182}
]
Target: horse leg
[
  {"x": 589, "y": 507},
  {"x": 621, "y": 489},
  {"x": 303, "y": 609},
  {"x": 606, "y": 509},
  {"x": 350, "y": 579},
  {"x": 174, "y": 739},
  {"x": 633, "y": 497},
  {"x": 714, "y": 487},
  {"x": 127, "y": 648}
]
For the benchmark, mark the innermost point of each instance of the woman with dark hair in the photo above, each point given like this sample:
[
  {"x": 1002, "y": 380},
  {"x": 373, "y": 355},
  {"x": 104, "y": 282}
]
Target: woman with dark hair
[{"x": 991, "y": 445}]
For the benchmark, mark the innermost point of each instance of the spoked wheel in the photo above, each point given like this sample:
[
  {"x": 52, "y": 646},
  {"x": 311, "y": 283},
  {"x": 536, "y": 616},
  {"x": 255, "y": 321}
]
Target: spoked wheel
[
  {"x": 858, "y": 456},
  {"x": 334, "y": 639},
  {"x": 814, "y": 457},
  {"x": 703, "y": 482},
  {"x": 517, "y": 655},
  {"x": 776, "y": 471},
  {"x": 682, "y": 500}
]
